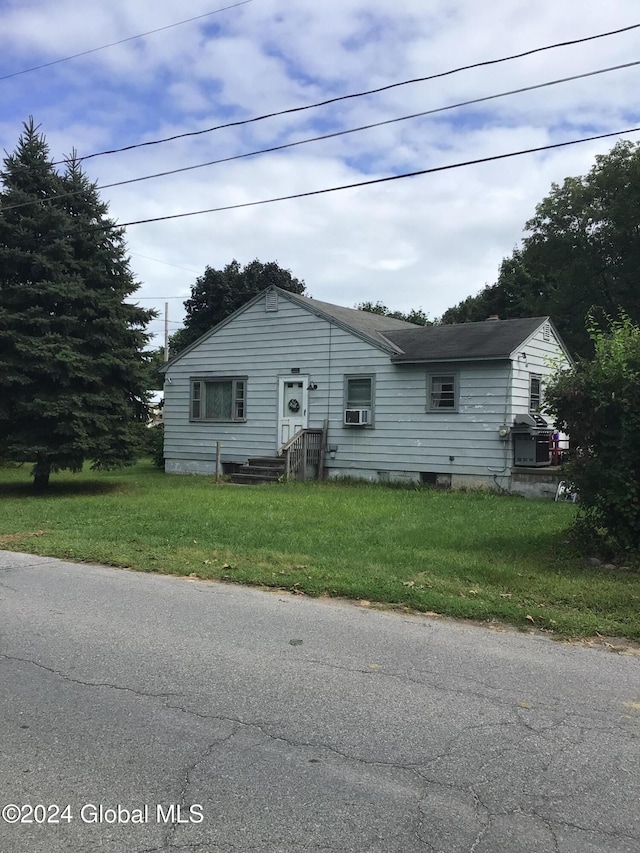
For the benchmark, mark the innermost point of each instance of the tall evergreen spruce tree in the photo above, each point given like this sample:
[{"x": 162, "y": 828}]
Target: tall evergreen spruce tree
[{"x": 72, "y": 370}]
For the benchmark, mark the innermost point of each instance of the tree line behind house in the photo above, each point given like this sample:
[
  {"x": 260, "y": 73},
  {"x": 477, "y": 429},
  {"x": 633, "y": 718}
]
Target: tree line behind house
[{"x": 75, "y": 369}]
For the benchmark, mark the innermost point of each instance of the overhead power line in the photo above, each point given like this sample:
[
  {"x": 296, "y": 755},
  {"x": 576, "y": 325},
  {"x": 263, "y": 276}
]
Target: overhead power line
[
  {"x": 373, "y": 181},
  {"x": 158, "y": 261},
  {"x": 123, "y": 41},
  {"x": 336, "y": 133},
  {"x": 290, "y": 110}
]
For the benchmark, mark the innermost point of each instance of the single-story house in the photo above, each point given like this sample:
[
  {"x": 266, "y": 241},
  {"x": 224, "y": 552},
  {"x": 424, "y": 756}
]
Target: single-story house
[{"x": 451, "y": 405}]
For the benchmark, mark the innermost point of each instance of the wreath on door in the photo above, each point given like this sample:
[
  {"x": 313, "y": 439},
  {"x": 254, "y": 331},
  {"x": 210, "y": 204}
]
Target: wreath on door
[{"x": 293, "y": 405}]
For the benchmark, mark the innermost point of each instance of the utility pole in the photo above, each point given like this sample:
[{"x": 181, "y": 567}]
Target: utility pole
[{"x": 166, "y": 331}]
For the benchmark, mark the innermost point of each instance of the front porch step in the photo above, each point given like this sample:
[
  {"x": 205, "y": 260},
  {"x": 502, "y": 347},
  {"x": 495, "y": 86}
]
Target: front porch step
[
  {"x": 268, "y": 462},
  {"x": 259, "y": 470},
  {"x": 243, "y": 479}
]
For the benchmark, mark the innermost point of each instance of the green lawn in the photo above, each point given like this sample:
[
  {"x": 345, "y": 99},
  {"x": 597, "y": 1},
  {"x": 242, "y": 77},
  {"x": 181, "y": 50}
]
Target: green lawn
[{"x": 473, "y": 555}]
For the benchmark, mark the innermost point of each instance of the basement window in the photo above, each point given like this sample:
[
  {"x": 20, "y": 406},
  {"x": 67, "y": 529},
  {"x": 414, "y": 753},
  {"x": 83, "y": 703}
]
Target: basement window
[{"x": 219, "y": 399}]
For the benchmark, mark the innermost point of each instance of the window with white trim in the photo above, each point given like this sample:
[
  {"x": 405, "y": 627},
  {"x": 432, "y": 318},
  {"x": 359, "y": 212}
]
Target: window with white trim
[
  {"x": 535, "y": 392},
  {"x": 442, "y": 392},
  {"x": 219, "y": 399}
]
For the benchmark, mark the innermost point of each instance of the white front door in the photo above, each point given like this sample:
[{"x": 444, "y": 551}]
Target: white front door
[{"x": 293, "y": 401}]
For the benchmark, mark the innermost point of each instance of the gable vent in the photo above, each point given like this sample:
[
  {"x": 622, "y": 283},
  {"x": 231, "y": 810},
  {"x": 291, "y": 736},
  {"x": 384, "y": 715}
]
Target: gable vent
[
  {"x": 271, "y": 301},
  {"x": 546, "y": 332}
]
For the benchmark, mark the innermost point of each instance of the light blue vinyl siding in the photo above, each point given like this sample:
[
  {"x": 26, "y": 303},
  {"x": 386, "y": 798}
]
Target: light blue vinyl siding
[
  {"x": 262, "y": 346},
  {"x": 408, "y": 438},
  {"x": 405, "y": 437},
  {"x": 540, "y": 360}
]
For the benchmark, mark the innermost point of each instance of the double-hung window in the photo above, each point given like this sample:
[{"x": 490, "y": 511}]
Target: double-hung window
[
  {"x": 442, "y": 392},
  {"x": 535, "y": 392},
  {"x": 219, "y": 399},
  {"x": 358, "y": 400}
]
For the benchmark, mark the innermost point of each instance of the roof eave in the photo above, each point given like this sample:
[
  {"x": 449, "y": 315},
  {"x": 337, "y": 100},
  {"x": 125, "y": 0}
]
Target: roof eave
[{"x": 445, "y": 360}]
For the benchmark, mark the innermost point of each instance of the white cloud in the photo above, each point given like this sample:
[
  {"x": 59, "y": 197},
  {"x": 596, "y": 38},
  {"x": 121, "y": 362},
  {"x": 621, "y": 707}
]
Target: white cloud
[{"x": 422, "y": 242}]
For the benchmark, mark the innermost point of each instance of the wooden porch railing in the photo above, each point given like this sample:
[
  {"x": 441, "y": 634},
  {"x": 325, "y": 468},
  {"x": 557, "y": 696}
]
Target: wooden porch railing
[{"x": 304, "y": 449}]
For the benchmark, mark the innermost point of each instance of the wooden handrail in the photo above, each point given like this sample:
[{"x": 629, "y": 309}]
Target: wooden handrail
[
  {"x": 295, "y": 437},
  {"x": 301, "y": 449}
]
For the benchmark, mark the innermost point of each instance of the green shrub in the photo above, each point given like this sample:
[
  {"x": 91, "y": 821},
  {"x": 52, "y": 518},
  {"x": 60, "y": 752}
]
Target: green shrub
[{"x": 598, "y": 404}]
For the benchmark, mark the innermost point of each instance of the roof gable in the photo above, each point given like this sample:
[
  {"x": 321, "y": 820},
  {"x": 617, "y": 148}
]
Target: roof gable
[{"x": 373, "y": 328}]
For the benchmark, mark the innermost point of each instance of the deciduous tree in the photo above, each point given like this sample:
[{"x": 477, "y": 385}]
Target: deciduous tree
[
  {"x": 218, "y": 293},
  {"x": 580, "y": 255},
  {"x": 416, "y": 315}
]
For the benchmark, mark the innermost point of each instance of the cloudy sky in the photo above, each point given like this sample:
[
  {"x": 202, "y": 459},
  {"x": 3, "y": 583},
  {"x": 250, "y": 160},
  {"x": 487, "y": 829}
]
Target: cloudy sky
[{"x": 422, "y": 242}]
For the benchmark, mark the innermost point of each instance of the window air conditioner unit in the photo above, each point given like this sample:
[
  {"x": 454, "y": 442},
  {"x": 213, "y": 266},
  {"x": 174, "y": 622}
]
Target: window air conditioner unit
[{"x": 356, "y": 417}]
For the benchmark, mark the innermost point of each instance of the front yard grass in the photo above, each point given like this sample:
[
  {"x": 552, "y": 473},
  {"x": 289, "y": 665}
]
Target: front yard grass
[{"x": 469, "y": 555}]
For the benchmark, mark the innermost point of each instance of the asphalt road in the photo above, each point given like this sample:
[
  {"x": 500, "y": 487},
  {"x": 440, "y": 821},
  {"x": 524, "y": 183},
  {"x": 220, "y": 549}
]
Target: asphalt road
[{"x": 261, "y": 721}]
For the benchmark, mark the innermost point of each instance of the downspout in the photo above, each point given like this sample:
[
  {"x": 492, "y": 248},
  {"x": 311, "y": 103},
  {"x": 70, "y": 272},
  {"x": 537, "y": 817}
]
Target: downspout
[
  {"x": 505, "y": 441},
  {"x": 329, "y": 371},
  {"x": 323, "y": 450}
]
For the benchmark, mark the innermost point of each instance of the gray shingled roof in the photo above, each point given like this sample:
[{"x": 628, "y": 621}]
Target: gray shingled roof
[
  {"x": 463, "y": 341},
  {"x": 460, "y": 341},
  {"x": 408, "y": 342},
  {"x": 374, "y": 326}
]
